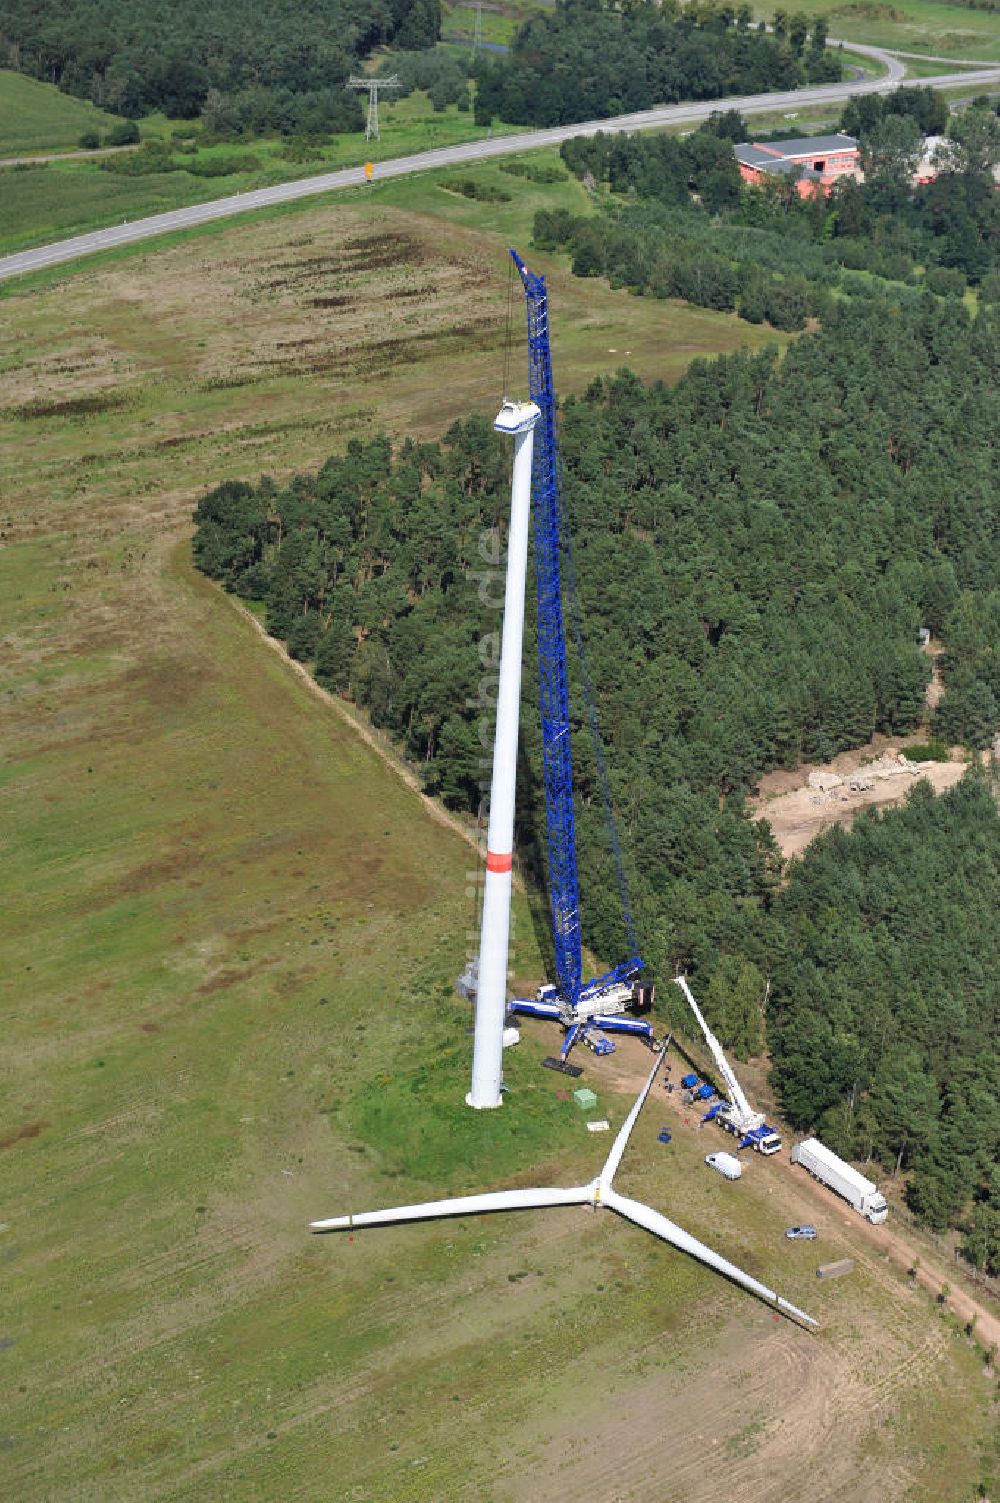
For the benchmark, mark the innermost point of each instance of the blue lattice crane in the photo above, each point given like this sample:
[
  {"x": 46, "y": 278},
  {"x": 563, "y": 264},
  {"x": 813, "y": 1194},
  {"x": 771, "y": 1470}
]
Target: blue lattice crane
[{"x": 586, "y": 1009}]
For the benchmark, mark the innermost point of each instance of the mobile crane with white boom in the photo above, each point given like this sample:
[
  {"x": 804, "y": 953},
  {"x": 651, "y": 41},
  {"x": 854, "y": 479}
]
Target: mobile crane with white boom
[{"x": 736, "y": 1115}]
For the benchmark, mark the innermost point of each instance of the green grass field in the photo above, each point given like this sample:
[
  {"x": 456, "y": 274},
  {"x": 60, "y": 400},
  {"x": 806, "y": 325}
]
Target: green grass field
[
  {"x": 62, "y": 199},
  {"x": 71, "y": 197},
  {"x": 500, "y": 19},
  {"x": 952, "y": 30},
  {"x": 924, "y": 68},
  {"x": 68, "y": 198},
  {"x": 37, "y": 117},
  {"x": 601, "y": 332},
  {"x": 958, "y": 97},
  {"x": 869, "y": 66},
  {"x": 227, "y": 951}
]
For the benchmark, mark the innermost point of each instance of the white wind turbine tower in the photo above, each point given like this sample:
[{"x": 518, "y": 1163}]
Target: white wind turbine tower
[
  {"x": 518, "y": 421},
  {"x": 599, "y": 1192}
]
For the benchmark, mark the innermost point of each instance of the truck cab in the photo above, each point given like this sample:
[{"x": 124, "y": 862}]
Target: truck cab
[{"x": 763, "y": 1140}]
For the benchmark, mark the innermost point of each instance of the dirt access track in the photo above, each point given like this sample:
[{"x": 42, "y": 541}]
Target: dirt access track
[
  {"x": 798, "y": 810},
  {"x": 627, "y": 1072},
  {"x": 855, "y": 1412}
]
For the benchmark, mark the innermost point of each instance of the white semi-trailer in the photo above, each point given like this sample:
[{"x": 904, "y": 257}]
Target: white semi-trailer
[{"x": 824, "y": 1165}]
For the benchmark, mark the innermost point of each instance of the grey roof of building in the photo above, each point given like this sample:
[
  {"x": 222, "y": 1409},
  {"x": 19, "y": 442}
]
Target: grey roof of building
[
  {"x": 795, "y": 170},
  {"x": 755, "y": 156},
  {"x": 752, "y": 155}
]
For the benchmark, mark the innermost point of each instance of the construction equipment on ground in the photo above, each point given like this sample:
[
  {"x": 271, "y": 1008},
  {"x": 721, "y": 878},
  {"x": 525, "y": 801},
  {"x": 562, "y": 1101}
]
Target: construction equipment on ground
[
  {"x": 823, "y": 1164},
  {"x": 599, "y": 1193},
  {"x": 736, "y": 1115}
]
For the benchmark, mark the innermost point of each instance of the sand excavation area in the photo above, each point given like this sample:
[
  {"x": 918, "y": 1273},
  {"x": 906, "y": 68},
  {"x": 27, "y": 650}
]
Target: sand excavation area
[{"x": 799, "y": 805}]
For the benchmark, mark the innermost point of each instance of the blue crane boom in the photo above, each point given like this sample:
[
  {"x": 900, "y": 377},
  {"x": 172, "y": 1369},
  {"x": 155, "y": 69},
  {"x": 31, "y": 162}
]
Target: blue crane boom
[
  {"x": 554, "y": 685},
  {"x": 578, "y": 1004}
]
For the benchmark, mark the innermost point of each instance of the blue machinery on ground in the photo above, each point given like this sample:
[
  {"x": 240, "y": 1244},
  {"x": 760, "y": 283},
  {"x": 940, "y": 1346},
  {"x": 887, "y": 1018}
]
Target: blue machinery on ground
[{"x": 587, "y": 1010}]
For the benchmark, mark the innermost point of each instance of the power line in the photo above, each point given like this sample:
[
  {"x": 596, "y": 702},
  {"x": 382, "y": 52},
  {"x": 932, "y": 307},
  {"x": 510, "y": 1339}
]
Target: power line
[{"x": 371, "y": 86}]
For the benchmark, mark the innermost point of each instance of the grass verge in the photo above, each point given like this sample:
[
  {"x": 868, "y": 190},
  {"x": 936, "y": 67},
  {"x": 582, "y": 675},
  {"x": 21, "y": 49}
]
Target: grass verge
[
  {"x": 63, "y": 198},
  {"x": 36, "y": 117},
  {"x": 932, "y": 26}
]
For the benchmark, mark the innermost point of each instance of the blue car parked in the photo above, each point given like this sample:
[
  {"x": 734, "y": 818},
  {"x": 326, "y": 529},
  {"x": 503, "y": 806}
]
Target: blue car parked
[{"x": 800, "y": 1233}]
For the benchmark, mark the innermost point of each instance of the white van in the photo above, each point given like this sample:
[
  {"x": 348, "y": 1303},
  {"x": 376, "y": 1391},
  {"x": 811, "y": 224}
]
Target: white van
[{"x": 726, "y": 1163}]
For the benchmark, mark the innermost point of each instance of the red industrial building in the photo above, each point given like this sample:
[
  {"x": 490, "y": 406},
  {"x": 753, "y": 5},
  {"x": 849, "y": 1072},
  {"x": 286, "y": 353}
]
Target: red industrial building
[{"x": 813, "y": 163}]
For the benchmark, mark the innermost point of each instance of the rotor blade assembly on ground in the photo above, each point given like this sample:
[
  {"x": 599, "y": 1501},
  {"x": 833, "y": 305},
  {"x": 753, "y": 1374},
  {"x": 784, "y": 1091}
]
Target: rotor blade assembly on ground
[
  {"x": 598, "y": 1193},
  {"x": 653, "y": 1221},
  {"x": 614, "y": 1158},
  {"x": 463, "y": 1205}
]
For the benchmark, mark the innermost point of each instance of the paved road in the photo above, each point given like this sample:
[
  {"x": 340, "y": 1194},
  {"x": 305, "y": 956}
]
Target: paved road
[
  {"x": 932, "y": 57},
  {"x": 475, "y": 151},
  {"x": 895, "y": 70}
]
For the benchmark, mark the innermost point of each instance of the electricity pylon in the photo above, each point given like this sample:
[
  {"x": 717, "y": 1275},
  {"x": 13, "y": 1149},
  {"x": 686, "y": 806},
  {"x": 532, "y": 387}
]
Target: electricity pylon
[{"x": 371, "y": 86}]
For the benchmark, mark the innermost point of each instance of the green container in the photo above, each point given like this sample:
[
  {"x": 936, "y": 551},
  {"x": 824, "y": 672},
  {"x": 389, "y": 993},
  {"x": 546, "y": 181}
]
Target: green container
[{"x": 584, "y": 1098}]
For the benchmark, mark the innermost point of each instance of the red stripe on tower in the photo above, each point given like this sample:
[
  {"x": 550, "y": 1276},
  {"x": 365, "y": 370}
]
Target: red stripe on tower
[{"x": 498, "y": 863}]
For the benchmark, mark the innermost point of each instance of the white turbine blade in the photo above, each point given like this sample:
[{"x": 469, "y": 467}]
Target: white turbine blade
[
  {"x": 652, "y": 1221},
  {"x": 464, "y": 1205},
  {"x": 614, "y": 1158}
]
